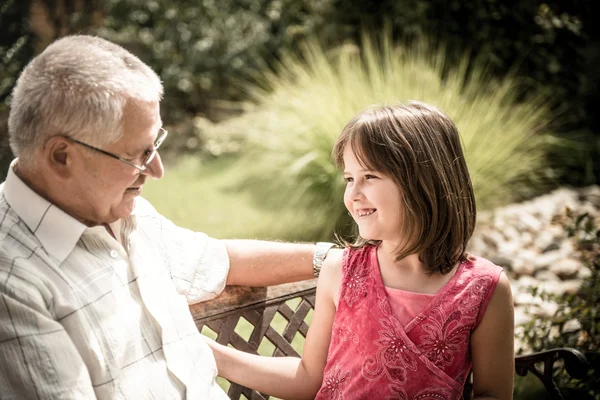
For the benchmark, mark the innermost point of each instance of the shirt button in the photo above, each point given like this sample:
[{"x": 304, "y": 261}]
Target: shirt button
[{"x": 114, "y": 254}]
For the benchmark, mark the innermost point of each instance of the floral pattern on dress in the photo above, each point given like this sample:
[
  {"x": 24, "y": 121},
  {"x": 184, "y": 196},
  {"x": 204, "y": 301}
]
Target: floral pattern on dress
[
  {"x": 333, "y": 383},
  {"x": 445, "y": 336},
  {"x": 394, "y": 356},
  {"x": 344, "y": 333},
  {"x": 398, "y": 393},
  {"x": 477, "y": 291},
  {"x": 355, "y": 285}
]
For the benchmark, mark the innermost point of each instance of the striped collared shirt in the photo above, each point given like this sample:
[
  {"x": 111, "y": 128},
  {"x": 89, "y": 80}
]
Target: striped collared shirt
[{"x": 85, "y": 316}]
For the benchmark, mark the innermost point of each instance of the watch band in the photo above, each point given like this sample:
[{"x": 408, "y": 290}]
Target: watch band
[{"x": 321, "y": 250}]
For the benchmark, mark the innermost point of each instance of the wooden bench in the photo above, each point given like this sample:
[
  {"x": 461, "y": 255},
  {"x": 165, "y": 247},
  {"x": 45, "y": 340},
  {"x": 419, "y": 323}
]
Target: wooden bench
[{"x": 259, "y": 306}]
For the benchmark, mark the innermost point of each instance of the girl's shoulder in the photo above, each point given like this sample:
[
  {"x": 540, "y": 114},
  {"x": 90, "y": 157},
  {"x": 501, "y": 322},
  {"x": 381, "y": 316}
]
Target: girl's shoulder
[
  {"x": 364, "y": 253},
  {"x": 479, "y": 266}
]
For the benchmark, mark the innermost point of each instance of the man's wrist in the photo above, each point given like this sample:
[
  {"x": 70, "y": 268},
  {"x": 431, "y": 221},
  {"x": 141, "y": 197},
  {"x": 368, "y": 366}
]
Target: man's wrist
[{"x": 321, "y": 250}]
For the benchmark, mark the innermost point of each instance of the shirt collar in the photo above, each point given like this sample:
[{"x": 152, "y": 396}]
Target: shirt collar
[{"x": 57, "y": 231}]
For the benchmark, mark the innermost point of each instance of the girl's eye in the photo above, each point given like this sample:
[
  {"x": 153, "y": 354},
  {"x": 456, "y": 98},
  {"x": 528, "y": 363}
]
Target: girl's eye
[
  {"x": 348, "y": 179},
  {"x": 370, "y": 177}
]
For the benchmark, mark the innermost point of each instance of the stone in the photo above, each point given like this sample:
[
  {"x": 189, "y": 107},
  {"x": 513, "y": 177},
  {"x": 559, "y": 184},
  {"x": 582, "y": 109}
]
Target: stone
[
  {"x": 570, "y": 286},
  {"x": 529, "y": 222},
  {"x": 551, "y": 287},
  {"x": 567, "y": 268},
  {"x": 555, "y": 245},
  {"x": 543, "y": 239},
  {"x": 572, "y": 325},
  {"x": 526, "y": 282},
  {"x": 546, "y": 259},
  {"x": 545, "y": 275},
  {"x": 493, "y": 238},
  {"x": 502, "y": 261},
  {"x": 584, "y": 273},
  {"x": 521, "y": 316},
  {"x": 547, "y": 309},
  {"x": 520, "y": 268}
]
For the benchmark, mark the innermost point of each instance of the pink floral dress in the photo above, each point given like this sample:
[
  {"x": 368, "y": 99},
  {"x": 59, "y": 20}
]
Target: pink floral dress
[{"x": 372, "y": 356}]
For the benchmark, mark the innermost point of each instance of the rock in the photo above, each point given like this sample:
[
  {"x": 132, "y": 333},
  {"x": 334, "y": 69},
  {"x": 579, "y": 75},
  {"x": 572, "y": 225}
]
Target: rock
[
  {"x": 526, "y": 299},
  {"x": 526, "y": 240},
  {"x": 570, "y": 326},
  {"x": 551, "y": 287},
  {"x": 547, "y": 309},
  {"x": 502, "y": 261},
  {"x": 543, "y": 239},
  {"x": 511, "y": 234},
  {"x": 529, "y": 222},
  {"x": 567, "y": 268},
  {"x": 526, "y": 282},
  {"x": 521, "y": 317},
  {"x": 535, "y": 252},
  {"x": 591, "y": 194},
  {"x": 555, "y": 245},
  {"x": 571, "y": 286},
  {"x": 584, "y": 273},
  {"x": 493, "y": 238},
  {"x": 477, "y": 246},
  {"x": 547, "y": 259},
  {"x": 545, "y": 275},
  {"x": 521, "y": 268}
]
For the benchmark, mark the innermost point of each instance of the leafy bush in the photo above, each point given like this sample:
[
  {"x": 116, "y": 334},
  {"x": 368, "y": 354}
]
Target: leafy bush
[
  {"x": 552, "y": 41},
  {"x": 298, "y": 114},
  {"x": 577, "y": 322},
  {"x": 204, "y": 49}
]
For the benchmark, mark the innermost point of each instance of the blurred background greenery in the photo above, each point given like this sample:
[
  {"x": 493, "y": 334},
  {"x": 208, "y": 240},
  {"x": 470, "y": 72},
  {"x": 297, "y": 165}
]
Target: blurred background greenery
[{"x": 256, "y": 91}]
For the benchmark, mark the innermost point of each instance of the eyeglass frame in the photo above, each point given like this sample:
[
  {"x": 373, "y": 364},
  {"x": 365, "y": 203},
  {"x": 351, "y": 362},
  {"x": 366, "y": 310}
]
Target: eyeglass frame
[{"x": 157, "y": 143}]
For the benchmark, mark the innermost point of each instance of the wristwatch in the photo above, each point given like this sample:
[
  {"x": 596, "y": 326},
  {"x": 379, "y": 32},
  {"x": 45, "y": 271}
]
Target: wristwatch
[{"x": 321, "y": 250}]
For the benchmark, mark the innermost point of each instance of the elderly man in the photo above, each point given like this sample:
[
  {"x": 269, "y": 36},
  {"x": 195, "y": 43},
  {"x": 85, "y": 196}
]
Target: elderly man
[{"x": 94, "y": 282}]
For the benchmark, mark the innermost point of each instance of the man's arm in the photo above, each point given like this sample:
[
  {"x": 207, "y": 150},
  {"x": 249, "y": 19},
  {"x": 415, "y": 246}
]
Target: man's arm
[{"x": 260, "y": 263}]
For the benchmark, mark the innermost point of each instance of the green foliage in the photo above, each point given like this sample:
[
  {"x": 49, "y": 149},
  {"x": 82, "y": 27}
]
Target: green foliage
[
  {"x": 297, "y": 118},
  {"x": 553, "y": 42},
  {"x": 576, "y": 324},
  {"x": 203, "y": 50},
  {"x": 15, "y": 51}
]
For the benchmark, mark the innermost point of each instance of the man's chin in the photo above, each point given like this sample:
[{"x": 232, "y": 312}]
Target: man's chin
[{"x": 124, "y": 209}]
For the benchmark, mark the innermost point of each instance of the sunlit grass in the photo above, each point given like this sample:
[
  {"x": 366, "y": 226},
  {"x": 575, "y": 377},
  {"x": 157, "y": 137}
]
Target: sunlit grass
[
  {"x": 201, "y": 197},
  {"x": 295, "y": 121}
]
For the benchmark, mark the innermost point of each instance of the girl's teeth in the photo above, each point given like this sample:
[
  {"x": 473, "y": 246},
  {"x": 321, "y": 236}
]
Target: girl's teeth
[{"x": 365, "y": 213}]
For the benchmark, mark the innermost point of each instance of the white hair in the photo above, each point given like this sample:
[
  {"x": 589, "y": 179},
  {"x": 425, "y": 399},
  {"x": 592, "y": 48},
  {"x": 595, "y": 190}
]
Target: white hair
[{"x": 78, "y": 87}]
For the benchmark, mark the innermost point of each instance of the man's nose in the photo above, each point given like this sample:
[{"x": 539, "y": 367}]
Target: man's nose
[{"x": 155, "y": 169}]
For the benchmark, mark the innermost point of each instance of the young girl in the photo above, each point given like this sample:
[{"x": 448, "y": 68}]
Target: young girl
[{"x": 405, "y": 313}]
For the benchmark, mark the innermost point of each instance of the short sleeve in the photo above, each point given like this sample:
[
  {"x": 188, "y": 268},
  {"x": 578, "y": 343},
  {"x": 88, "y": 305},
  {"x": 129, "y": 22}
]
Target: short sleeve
[{"x": 197, "y": 263}]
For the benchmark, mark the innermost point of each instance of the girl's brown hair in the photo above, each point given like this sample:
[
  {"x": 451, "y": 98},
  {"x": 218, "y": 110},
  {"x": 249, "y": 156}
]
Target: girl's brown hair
[{"x": 419, "y": 147}]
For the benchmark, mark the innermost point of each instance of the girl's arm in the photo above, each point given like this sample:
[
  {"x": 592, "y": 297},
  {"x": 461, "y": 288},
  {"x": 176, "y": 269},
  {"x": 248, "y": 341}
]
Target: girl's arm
[
  {"x": 290, "y": 377},
  {"x": 492, "y": 347}
]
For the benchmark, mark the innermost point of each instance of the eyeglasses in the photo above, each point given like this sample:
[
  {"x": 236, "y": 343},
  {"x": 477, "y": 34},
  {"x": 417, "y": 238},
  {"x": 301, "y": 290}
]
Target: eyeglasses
[{"x": 148, "y": 157}]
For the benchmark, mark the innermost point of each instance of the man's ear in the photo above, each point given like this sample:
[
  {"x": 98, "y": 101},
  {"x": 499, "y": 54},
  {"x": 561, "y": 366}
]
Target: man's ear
[{"x": 58, "y": 156}]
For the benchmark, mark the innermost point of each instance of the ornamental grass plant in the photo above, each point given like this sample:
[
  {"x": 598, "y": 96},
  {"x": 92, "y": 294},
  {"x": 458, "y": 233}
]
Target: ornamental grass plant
[{"x": 296, "y": 114}]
